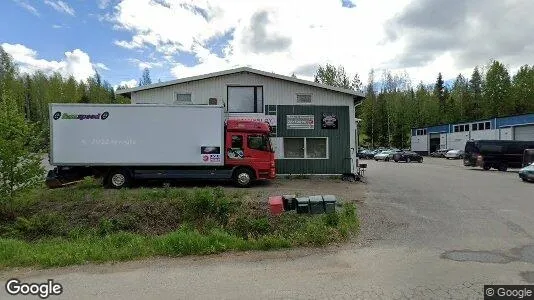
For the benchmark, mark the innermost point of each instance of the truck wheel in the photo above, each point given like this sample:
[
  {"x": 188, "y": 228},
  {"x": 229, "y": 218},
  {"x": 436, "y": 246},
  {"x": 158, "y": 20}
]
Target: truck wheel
[
  {"x": 118, "y": 179},
  {"x": 503, "y": 167},
  {"x": 243, "y": 177},
  {"x": 486, "y": 167}
]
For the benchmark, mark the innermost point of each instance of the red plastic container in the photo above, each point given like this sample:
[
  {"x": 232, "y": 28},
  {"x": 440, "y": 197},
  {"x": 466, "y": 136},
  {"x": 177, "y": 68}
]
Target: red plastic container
[{"x": 276, "y": 205}]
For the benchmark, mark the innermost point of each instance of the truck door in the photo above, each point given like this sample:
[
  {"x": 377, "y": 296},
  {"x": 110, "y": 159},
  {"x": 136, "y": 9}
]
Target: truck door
[{"x": 258, "y": 153}]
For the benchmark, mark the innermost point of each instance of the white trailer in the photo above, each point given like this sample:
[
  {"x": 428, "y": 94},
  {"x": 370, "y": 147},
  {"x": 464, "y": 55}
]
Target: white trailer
[
  {"x": 135, "y": 134},
  {"x": 127, "y": 142}
]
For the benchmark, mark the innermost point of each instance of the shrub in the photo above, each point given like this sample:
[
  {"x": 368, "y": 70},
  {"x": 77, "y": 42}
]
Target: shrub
[{"x": 40, "y": 225}]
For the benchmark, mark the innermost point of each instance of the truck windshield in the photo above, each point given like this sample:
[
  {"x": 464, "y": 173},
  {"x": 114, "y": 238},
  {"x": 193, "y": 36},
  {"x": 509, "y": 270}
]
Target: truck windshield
[{"x": 259, "y": 142}]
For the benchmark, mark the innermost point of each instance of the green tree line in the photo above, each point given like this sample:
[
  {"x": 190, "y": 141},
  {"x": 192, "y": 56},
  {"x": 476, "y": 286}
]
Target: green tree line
[
  {"x": 393, "y": 105},
  {"x": 31, "y": 94}
]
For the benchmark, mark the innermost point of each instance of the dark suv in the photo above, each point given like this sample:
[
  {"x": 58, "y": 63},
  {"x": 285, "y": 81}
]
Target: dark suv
[{"x": 495, "y": 154}]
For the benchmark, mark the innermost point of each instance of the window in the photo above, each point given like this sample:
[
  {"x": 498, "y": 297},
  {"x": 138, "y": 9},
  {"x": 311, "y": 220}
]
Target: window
[
  {"x": 456, "y": 128},
  {"x": 307, "y": 148},
  {"x": 183, "y": 98},
  {"x": 304, "y": 98},
  {"x": 237, "y": 141},
  {"x": 480, "y": 126},
  {"x": 474, "y": 127},
  {"x": 258, "y": 142},
  {"x": 245, "y": 99},
  {"x": 420, "y": 132},
  {"x": 316, "y": 148},
  {"x": 488, "y": 125},
  {"x": 293, "y": 147}
]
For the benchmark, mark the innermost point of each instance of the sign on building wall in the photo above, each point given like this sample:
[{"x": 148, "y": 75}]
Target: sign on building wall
[
  {"x": 271, "y": 119},
  {"x": 300, "y": 122},
  {"x": 329, "y": 121}
]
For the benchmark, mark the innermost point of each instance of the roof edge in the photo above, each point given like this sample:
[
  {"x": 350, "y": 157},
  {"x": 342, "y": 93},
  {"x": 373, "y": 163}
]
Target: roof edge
[{"x": 239, "y": 70}]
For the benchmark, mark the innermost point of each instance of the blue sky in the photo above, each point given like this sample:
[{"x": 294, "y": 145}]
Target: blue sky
[
  {"x": 52, "y": 32},
  {"x": 180, "y": 38}
]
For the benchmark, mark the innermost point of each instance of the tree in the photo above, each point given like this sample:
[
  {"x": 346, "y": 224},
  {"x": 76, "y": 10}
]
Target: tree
[
  {"x": 145, "y": 78},
  {"x": 293, "y": 75},
  {"x": 440, "y": 92},
  {"x": 522, "y": 91},
  {"x": 474, "y": 106},
  {"x": 20, "y": 169},
  {"x": 496, "y": 90},
  {"x": 356, "y": 83},
  {"x": 330, "y": 75}
]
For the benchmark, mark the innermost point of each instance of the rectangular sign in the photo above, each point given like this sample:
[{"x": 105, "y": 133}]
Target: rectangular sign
[
  {"x": 300, "y": 121},
  {"x": 271, "y": 119}
]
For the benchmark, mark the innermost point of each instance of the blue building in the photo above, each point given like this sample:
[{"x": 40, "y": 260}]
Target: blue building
[{"x": 454, "y": 136}]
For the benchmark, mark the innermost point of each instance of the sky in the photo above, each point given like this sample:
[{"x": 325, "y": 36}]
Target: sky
[{"x": 181, "y": 38}]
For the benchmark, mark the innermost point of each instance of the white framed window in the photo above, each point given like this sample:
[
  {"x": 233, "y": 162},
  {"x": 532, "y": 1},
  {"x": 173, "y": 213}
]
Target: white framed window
[
  {"x": 488, "y": 125},
  {"x": 305, "y": 148},
  {"x": 182, "y": 98},
  {"x": 304, "y": 98}
]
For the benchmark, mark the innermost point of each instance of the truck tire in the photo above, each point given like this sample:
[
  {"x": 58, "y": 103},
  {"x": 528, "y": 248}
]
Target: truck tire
[
  {"x": 503, "y": 167},
  {"x": 243, "y": 177},
  {"x": 486, "y": 167},
  {"x": 118, "y": 179}
]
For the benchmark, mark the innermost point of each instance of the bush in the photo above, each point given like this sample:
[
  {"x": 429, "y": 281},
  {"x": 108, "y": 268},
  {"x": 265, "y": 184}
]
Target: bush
[{"x": 39, "y": 225}]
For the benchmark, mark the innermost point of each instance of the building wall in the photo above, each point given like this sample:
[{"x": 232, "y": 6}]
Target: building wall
[
  {"x": 339, "y": 148},
  {"x": 491, "y": 134},
  {"x": 275, "y": 91},
  {"x": 419, "y": 143},
  {"x": 457, "y": 140}
]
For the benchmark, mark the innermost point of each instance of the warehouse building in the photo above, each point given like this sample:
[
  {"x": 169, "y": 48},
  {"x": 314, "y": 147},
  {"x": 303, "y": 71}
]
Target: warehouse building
[
  {"x": 454, "y": 136},
  {"x": 313, "y": 125}
]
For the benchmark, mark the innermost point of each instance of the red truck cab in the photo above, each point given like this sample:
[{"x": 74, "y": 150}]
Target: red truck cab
[{"x": 248, "y": 151}]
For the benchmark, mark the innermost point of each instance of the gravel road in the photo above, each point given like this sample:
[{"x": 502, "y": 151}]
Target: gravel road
[{"x": 434, "y": 230}]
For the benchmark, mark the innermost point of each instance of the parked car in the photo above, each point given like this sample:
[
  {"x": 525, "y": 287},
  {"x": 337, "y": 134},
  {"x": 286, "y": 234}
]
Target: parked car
[
  {"x": 439, "y": 153},
  {"x": 455, "y": 154},
  {"x": 407, "y": 156},
  {"x": 384, "y": 155},
  {"x": 368, "y": 154},
  {"x": 527, "y": 173},
  {"x": 497, "y": 154}
]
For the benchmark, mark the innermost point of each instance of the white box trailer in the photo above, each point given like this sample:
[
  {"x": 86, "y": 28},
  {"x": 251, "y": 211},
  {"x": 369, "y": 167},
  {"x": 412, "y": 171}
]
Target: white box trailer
[
  {"x": 138, "y": 134},
  {"x": 129, "y": 142}
]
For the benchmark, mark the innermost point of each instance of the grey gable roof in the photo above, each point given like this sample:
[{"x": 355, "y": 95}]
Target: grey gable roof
[{"x": 239, "y": 70}]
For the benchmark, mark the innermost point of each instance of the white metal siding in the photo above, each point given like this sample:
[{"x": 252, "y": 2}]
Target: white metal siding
[
  {"x": 489, "y": 134},
  {"x": 275, "y": 91},
  {"x": 524, "y": 133},
  {"x": 457, "y": 140},
  {"x": 443, "y": 141},
  {"x": 506, "y": 134},
  {"x": 420, "y": 143}
]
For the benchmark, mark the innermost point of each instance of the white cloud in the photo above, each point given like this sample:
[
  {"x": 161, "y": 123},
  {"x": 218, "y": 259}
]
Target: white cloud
[
  {"x": 55, "y": 26},
  {"x": 27, "y": 6},
  {"x": 76, "y": 63},
  {"x": 145, "y": 64},
  {"x": 128, "y": 83},
  {"x": 281, "y": 36},
  {"x": 60, "y": 6},
  {"x": 101, "y": 66},
  {"x": 103, "y": 4}
]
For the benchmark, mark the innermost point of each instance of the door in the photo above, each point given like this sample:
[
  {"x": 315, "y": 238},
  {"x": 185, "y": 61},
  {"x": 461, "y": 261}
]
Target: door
[{"x": 524, "y": 133}]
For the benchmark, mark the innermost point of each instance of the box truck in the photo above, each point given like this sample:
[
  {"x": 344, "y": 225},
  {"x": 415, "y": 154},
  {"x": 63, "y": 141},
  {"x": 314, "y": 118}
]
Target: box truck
[{"x": 124, "y": 143}]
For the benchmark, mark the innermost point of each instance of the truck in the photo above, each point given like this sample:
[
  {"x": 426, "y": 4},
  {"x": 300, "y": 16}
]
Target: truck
[{"x": 124, "y": 143}]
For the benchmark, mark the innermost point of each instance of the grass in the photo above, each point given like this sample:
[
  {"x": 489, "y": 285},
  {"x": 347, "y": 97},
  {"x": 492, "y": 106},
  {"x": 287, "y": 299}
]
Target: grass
[{"x": 84, "y": 223}]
